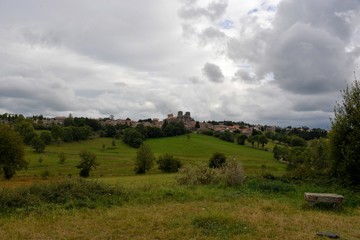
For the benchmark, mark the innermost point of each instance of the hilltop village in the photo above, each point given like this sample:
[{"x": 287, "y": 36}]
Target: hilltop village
[{"x": 189, "y": 123}]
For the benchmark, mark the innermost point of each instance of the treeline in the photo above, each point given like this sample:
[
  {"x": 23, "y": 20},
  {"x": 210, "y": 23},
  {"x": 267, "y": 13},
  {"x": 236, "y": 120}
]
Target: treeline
[
  {"x": 134, "y": 137},
  {"x": 38, "y": 135}
]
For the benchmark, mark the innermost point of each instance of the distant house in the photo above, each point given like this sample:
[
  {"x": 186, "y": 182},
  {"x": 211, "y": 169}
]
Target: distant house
[
  {"x": 59, "y": 120},
  {"x": 246, "y": 131}
]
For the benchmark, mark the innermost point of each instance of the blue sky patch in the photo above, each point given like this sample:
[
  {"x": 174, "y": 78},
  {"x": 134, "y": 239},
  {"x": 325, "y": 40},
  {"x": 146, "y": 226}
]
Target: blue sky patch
[{"x": 226, "y": 24}]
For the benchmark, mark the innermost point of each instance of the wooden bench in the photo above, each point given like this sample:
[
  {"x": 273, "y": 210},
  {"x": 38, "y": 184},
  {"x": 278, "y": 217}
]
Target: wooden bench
[{"x": 313, "y": 198}]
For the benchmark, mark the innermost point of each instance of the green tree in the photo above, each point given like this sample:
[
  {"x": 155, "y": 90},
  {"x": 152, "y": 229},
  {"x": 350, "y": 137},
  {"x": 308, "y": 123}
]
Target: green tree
[
  {"x": 296, "y": 141},
  {"x": 345, "y": 136},
  {"x": 240, "y": 139},
  {"x": 144, "y": 159},
  {"x": 262, "y": 140},
  {"x": 168, "y": 163},
  {"x": 57, "y": 132},
  {"x": 251, "y": 139},
  {"x": 37, "y": 144},
  {"x": 26, "y": 130},
  {"x": 46, "y": 137},
  {"x": 68, "y": 134},
  {"x": 87, "y": 163},
  {"x": 11, "y": 151},
  {"x": 132, "y": 137},
  {"x": 227, "y": 136}
]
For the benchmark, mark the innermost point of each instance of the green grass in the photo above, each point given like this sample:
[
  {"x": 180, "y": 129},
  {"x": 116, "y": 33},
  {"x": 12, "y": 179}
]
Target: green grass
[
  {"x": 261, "y": 209},
  {"x": 117, "y": 204},
  {"x": 118, "y": 160}
]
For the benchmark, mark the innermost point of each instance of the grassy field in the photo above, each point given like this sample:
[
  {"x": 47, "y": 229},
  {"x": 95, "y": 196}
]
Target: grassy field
[
  {"x": 155, "y": 206},
  {"x": 118, "y": 160}
]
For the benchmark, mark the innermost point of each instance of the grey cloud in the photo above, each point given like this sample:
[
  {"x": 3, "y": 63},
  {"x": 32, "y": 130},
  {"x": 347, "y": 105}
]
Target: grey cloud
[
  {"x": 308, "y": 60},
  {"x": 243, "y": 75},
  {"x": 109, "y": 32},
  {"x": 213, "y": 72},
  {"x": 194, "y": 80},
  {"x": 306, "y": 49},
  {"x": 213, "y": 10},
  {"x": 30, "y": 94},
  {"x": 211, "y": 35},
  {"x": 322, "y": 14}
]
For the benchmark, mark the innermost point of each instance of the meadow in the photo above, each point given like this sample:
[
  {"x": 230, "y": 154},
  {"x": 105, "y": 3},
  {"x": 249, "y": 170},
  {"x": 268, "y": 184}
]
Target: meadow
[{"x": 155, "y": 206}]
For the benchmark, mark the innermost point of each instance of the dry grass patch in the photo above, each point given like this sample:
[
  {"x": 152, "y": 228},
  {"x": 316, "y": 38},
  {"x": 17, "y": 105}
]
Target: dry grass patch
[{"x": 259, "y": 218}]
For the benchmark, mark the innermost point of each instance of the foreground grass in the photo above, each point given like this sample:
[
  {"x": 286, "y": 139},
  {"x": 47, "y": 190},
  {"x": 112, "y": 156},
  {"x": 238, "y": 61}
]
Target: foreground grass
[{"x": 261, "y": 209}]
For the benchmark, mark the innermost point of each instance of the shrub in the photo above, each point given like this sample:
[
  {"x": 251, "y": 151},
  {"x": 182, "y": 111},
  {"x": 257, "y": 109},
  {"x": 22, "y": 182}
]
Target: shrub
[
  {"x": 233, "y": 173},
  {"x": 45, "y": 174},
  {"x": 208, "y": 132},
  {"x": 197, "y": 175},
  {"x": 217, "y": 160},
  {"x": 41, "y": 159},
  {"x": 66, "y": 194},
  {"x": 168, "y": 163},
  {"x": 62, "y": 158}
]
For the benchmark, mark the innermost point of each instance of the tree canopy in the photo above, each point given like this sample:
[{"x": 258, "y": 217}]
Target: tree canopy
[
  {"x": 11, "y": 151},
  {"x": 345, "y": 136},
  {"x": 144, "y": 159}
]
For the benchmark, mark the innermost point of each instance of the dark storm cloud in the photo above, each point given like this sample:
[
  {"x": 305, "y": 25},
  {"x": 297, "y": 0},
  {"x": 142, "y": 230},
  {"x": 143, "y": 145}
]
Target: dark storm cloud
[{"x": 213, "y": 72}]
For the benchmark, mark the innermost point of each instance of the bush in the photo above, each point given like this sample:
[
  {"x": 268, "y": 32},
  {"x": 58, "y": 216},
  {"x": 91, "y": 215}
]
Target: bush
[
  {"x": 231, "y": 174},
  {"x": 168, "y": 163},
  {"x": 66, "y": 194},
  {"x": 45, "y": 174},
  {"x": 198, "y": 175},
  {"x": 208, "y": 132},
  {"x": 217, "y": 160},
  {"x": 62, "y": 158}
]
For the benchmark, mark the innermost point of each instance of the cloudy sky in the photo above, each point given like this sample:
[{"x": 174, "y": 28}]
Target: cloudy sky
[{"x": 275, "y": 62}]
